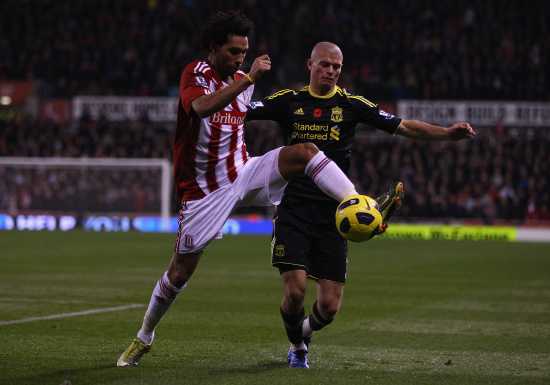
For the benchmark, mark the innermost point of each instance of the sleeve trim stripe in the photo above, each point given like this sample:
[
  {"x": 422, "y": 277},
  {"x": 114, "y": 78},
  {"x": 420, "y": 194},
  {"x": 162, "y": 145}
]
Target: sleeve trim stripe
[
  {"x": 278, "y": 93},
  {"x": 362, "y": 99}
]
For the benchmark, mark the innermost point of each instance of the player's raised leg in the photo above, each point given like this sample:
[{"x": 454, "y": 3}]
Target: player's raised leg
[{"x": 305, "y": 158}]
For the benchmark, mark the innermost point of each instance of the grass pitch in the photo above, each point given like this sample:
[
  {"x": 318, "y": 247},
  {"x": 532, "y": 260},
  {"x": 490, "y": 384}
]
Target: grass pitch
[{"x": 414, "y": 312}]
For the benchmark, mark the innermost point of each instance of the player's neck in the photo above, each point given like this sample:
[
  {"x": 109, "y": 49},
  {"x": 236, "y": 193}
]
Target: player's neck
[
  {"x": 321, "y": 91},
  {"x": 228, "y": 79}
]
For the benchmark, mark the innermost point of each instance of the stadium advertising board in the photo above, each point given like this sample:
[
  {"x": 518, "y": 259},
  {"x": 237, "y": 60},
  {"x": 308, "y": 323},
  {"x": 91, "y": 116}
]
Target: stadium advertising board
[
  {"x": 114, "y": 108},
  {"x": 446, "y": 112},
  {"x": 37, "y": 222},
  {"x": 236, "y": 226},
  {"x": 455, "y": 233},
  {"x": 15, "y": 93},
  {"x": 483, "y": 113},
  {"x": 153, "y": 224}
]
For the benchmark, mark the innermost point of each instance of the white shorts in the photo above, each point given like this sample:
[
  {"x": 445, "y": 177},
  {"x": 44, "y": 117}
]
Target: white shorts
[{"x": 259, "y": 184}]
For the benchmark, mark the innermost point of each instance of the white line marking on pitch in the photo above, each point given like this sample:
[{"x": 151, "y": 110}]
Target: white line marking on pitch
[
  {"x": 42, "y": 300},
  {"x": 63, "y": 315}
]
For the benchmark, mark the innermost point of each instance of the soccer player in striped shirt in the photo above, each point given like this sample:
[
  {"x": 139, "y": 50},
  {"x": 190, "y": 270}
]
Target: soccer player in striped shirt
[
  {"x": 213, "y": 172},
  {"x": 306, "y": 243}
]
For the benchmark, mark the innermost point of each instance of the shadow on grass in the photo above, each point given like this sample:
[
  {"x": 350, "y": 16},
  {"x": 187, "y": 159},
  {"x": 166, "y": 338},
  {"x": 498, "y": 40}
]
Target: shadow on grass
[
  {"x": 63, "y": 376},
  {"x": 248, "y": 369},
  {"x": 110, "y": 372}
]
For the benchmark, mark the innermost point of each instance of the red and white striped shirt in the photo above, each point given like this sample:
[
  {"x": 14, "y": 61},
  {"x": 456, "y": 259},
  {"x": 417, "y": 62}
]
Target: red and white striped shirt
[{"x": 209, "y": 152}]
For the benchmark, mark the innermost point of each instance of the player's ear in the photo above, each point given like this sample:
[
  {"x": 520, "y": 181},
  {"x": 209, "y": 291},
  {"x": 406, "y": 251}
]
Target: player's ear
[
  {"x": 212, "y": 46},
  {"x": 309, "y": 64}
]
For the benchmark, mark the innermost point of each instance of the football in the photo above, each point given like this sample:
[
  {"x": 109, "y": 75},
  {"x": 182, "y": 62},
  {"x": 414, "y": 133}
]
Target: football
[{"x": 358, "y": 218}]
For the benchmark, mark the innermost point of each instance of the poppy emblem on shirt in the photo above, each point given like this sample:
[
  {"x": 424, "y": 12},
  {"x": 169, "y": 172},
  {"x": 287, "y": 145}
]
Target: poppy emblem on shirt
[{"x": 317, "y": 113}]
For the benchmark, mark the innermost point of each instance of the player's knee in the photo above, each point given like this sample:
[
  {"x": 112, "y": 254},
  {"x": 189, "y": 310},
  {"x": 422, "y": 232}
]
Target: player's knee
[
  {"x": 295, "y": 296},
  {"x": 307, "y": 151},
  {"x": 182, "y": 267},
  {"x": 179, "y": 280},
  {"x": 301, "y": 153},
  {"x": 328, "y": 309},
  {"x": 294, "y": 159},
  {"x": 178, "y": 277}
]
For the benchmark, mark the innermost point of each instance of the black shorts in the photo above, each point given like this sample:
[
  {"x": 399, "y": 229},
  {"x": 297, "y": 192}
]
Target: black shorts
[{"x": 305, "y": 238}]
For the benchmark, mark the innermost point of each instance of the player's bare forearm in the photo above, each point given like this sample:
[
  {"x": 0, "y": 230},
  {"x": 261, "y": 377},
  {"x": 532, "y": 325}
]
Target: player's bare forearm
[
  {"x": 207, "y": 105},
  {"x": 416, "y": 129}
]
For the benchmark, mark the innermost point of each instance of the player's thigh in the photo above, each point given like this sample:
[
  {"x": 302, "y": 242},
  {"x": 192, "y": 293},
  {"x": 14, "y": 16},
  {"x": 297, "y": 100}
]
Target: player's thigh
[
  {"x": 291, "y": 242},
  {"x": 329, "y": 250},
  {"x": 202, "y": 220},
  {"x": 260, "y": 183}
]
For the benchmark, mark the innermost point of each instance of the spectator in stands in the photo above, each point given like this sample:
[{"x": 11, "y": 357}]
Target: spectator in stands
[{"x": 129, "y": 47}]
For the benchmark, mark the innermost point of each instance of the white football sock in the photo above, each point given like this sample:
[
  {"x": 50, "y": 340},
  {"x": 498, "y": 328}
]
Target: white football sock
[
  {"x": 329, "y": 177},
  {"x": 307, "y": 331},
  {"x": 301, "y": 346},
  {"x": 162, "y": 298}
]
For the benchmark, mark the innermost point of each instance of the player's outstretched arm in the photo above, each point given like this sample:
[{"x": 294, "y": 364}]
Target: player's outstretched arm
[
  {"x": 207, "y": 105},
  {"x": 416, "y": 129}
]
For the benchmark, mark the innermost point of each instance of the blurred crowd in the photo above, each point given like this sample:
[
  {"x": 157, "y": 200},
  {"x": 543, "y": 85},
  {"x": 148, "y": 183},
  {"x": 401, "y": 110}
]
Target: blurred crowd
[
  {"x": 502, "y": 175},
  {"x": 76, "y": 189},
  {"x": 423, "y": 49},
  {"x": 42, "y": 190},
  {"x": 496, "y": 177}
]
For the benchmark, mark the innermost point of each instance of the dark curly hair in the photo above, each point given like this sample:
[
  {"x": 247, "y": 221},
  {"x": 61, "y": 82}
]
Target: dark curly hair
[{"x": 219, "y": 25}]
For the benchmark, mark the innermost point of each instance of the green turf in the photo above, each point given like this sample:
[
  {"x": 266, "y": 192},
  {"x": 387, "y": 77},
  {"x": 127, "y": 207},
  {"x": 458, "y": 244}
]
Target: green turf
[{"x": 414, "y": 312}]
